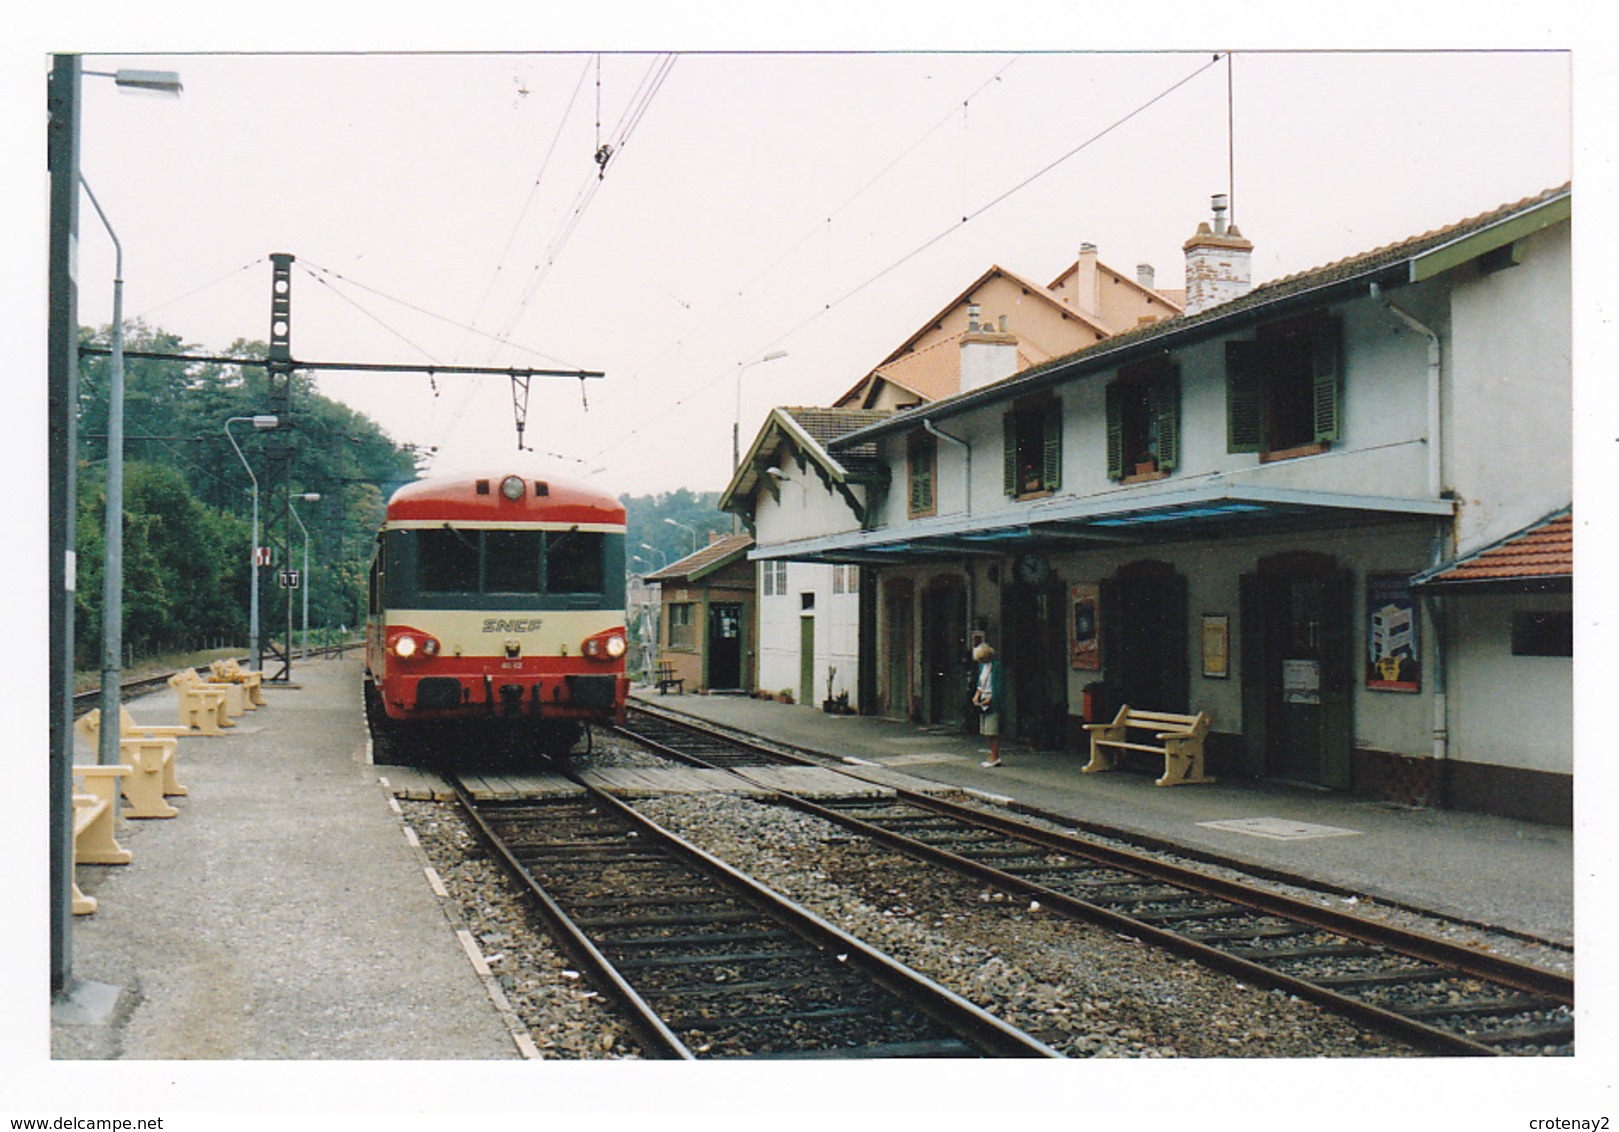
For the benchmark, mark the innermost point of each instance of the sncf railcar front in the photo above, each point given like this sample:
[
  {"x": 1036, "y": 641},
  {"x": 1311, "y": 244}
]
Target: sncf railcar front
[{"x": 497, "y": 611}]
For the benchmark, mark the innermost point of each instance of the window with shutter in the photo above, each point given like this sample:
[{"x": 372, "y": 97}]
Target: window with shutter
[
  {"x": 1143, "y": 421},
  {"x": 923, "y": 461},
  {"x": 1284, "y": 390},
  {"x": 1033, "y": 449}
]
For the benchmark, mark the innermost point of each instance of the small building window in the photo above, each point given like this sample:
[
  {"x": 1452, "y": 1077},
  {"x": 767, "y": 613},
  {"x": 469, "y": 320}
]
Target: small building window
[
  {"x": 1284, "y": 390},
  {"x": 1143, "y": 421},
  {"x": 922, "y": 466},
  {"x": 682, "y": 625},
  {"x": 806, "y": 601},
  {"x": 1032, "y": 439},
  {"x": 1549, "y": 633}
]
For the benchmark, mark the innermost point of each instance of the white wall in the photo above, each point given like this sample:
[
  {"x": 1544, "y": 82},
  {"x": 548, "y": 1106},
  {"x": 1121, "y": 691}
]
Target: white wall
[
  {"x": 806, "y": 507},
  {"x": 1510, "y": 399},
  {"x": 1506, "y": 710}
]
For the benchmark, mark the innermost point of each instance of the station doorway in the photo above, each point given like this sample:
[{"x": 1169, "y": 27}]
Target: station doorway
[
  {"x": 898, "y": 596},
  {"x": 725, "y": 645},
  {"x": 1144, "y": 638},
  {"x": 1035, "y": 658},
  {"x": 944, "y": 651},
  {"x": 1298, "y": 670}
]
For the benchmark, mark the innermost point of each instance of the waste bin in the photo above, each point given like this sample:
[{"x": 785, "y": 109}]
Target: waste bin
[{"x": 1095, "y": 702}]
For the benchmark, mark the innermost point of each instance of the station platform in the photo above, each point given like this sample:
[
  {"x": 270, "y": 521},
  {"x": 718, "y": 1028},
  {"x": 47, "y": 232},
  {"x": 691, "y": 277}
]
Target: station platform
[
  {"x": 284, "y": 915},
  {"x": 1484, "y": 870},
  {"x": 281, "y": 915}
]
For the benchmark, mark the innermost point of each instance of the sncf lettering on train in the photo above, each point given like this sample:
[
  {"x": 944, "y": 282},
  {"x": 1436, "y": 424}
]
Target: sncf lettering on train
[{"x": 517, "y": 625}]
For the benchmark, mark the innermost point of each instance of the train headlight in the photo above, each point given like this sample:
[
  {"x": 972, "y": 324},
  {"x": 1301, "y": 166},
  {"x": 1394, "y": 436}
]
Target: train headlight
[
  {"x": 430, "y": 647},
  {"x": 405, "y": 647},
  {"x": 512, "y": 488},
  {"x": 608, "y": 646}
]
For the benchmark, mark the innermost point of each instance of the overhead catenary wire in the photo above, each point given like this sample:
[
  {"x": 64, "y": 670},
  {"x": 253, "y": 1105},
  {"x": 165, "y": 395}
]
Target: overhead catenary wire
[
  {"x": 663, "y": 410},
  {"x": 528, "y": 202},
  {"x": 815, "y": 230}
]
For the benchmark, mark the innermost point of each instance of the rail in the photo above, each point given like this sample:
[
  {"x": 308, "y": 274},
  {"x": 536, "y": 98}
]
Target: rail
[{"x": 1397, "y": 981}]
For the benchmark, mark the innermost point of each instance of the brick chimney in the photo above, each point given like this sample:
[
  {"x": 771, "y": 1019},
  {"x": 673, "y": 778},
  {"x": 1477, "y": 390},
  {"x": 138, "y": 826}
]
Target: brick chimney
[
  {"x": 1218, "y": 262},
  {"x": 988, "y": 353}
]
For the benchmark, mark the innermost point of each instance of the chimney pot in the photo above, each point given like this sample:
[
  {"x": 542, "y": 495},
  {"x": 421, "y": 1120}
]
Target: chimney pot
[{"x": 1145, "y": 275}]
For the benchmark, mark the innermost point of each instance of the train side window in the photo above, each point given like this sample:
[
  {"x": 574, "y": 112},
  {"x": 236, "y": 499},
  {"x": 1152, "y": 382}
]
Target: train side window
[
  {"x": 511, "y": 562},
  {"x": 573, "y": 562},
  {"x": 447, "y": 561}
]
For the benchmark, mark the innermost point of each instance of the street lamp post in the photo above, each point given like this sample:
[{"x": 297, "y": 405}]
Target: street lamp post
[
  {"x": 112, "y": 573},
  {"x": 262, "y": 422},
  {"x": 62, "y": 161},
  {"x": 655, "y": 550},
  {"x": 689, "y": 530},
  {"x": 736, "y": 425},
  {"x": 307, "y": 497}
]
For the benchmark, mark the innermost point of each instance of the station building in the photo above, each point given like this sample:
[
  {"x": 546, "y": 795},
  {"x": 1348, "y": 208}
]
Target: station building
[{"x": 1265, "y": 507}]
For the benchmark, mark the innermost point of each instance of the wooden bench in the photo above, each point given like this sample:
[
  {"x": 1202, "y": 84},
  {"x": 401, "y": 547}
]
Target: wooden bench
[
  {"x": 202, "y": 706},
  {"x": 150, "y": 760},
  {"x": 229, "y": 672},
  {"x": 93, "y": 817},
  {"x": 1179, "y": 741},
  {"x": 667, "y": 679}
]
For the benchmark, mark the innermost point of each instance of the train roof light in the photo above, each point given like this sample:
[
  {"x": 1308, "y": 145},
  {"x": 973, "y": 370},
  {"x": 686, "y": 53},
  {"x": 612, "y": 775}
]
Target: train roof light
[{"x": 512, "y": 488}]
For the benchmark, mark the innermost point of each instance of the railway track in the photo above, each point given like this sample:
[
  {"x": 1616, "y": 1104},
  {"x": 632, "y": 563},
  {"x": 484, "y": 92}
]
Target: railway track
[
  {"x": 707, "y": 963},
  {"x": 1439, "y": 997}
]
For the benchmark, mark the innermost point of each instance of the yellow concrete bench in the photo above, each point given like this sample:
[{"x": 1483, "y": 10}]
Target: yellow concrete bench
[
  {"x": 130, "y": 729},
  {"x": 151, "y": 765},
  {"x": 1179, "y": 741},
  {"x": 235, "y": 694},
  {"x": 229, "y": 672},
  {"x": 93, "y": 817},
  {"x": 202, "y": 706}
]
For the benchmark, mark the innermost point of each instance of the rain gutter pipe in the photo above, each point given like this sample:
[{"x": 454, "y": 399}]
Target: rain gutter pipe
[{"x": 1441, "y": 708}]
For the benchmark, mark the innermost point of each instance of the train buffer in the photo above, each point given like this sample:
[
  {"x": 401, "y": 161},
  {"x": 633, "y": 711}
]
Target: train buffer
[
  {"x": 667, "y": 679},
  {"x": 93, "y": 818},
  {"x": 150, "y": 760},
  {"x": 1179, "y": 740},
  {"x": 229, "y": 672},
  {"x": 202, "y": 706}
]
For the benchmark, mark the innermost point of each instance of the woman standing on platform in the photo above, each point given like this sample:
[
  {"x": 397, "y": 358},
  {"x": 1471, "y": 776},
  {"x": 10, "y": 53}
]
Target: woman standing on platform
[{"x": 987, "y": 699}]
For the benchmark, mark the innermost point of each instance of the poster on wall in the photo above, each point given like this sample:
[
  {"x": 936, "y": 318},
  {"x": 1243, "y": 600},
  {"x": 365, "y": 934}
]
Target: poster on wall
[
  {"x": 1393, "y": 661},
  {"x": 1216, "y": 645},
  {"x": 1084, "y": 628}
]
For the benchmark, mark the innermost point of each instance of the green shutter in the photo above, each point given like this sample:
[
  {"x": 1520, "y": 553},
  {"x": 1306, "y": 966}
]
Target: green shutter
[
  {"x": 1009, "y": 441},
  {"x": 922, "y": 461},
  {"x": 1167, "y": 408},
  {"x": 1244, "y": 398},
  {"x": 1051, "y": 454},
  {"x": 1115, "y": 432},
  {"x": 1327, "y": 372}
]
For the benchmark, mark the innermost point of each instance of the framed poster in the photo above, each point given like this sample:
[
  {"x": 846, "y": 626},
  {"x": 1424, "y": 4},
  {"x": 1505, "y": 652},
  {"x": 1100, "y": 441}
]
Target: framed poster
[
  {"x": 1084, "y": 627},
  {"x": 1217, "y": 645},
  {"x": 1393, "y": 652}
]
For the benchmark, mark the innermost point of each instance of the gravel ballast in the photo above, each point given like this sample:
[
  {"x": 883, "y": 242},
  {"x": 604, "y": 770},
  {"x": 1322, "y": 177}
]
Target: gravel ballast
[{"x": 1084, "y": 990}]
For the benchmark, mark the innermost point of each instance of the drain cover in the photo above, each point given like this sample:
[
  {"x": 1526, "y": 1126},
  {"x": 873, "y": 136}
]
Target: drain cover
[{"x": 1279, "y": 829}]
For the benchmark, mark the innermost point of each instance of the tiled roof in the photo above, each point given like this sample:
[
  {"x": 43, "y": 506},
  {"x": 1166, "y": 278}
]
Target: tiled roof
[
  {"x": 826, "y": 425},
  {"x": 1540, "y": 553},
  {"x": 1300, "y": 283},
  {"x": 707, "y": 556}
]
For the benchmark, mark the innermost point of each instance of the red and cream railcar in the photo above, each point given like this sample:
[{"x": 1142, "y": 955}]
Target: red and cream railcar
[{"x": 496, "y": 601}]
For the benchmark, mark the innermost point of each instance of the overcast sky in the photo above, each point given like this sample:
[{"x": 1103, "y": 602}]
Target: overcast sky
[{"x": 447, "y": 209}]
